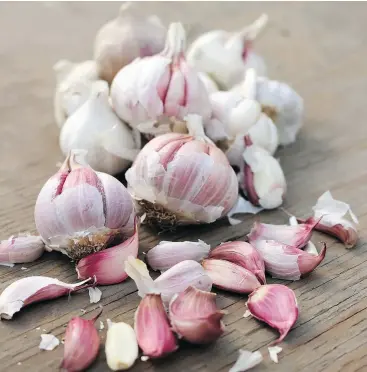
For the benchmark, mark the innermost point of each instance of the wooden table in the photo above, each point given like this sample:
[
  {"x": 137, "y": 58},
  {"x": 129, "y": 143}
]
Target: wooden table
[{"x": 320, "y": 49}]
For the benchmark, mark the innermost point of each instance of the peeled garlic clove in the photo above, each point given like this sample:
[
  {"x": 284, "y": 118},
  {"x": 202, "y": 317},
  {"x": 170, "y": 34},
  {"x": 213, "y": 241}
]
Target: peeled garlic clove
[
  {"x": 151, "y": 91},
  {"x": 167, "y": 254},
  {"x": 276, "y": 305},
  {"x": 74, "y": 81},
  {"x": 80, "y": 211},
  {"x": 210, "y": 84},
  {"x": 246, "y": 360},
  {"x": 21, "y": 249},
  {"x": 286, "y": 262},
  {"x": 32, "y": 289},
  {"x": 96, "y": 128},
  {"x": 183, "y": 179},
  {"x": 152, "y": 328},
  {"x": 108, "y": 266},
  {"x": 121, "y": 346},
  {"x": 230, "y": 277},
  {"x": 125, "y": 38},
  {"x": 195, "y": 317},
  {"x": 242, "y": 254},
  {"x": 81, "y": 344}
]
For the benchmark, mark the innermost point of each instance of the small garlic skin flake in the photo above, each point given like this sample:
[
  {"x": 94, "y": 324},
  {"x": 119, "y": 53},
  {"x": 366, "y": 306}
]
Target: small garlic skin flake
[
  {"x": 246, "y": 360},
  {"x": 48, "y": 342},
  {"x": 273, "y": 353},
  {"x": 95, "y": 295}
]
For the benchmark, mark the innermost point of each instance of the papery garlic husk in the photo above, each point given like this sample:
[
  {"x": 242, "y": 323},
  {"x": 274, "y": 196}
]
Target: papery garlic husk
[
  {"x": 129, "y": 36},
  {"x": 276, "y": 305},
  {"x": 32, "y": 289},
  {"x": 195, "y": 317},
  {"x": 242, "y": 254},
  {"x": 230, "y": 277},
  {"x": 167, "y": 254},
  {"x": 108, "y": 266},
  {"x": 330, "y": 218},
  {"x": 21, "y": 249},
  {"x": 246, "y": 360},
  {"x": 152, "y": 328},
  {"x": 226, "y": 56},
  {"x": 48, "y": 342},
  {"x": 151, "y": 91},
  {"x": 209, "y": 83},
  {"x": 287, "y": 262},
  {"x": 73, "y": 85},
  {"x": 81, "y": 344},
  {"x": 121, "y": 346},
  {"x": 96, "y": 128},
  {"x": 183, "y": 179},
  {"x": 80, "y": 211},
  {"x": 263, "y": 179},
  {"x": 174, "y": 280}
]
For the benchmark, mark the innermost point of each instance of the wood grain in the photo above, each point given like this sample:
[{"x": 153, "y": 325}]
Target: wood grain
[{"x": 320, "y": 48}]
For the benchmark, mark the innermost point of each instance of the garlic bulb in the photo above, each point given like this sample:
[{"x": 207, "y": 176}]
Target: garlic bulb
[
  {"x": 129, "y": 36},
  {"x": 209, "y": 83},
  {"x": 154, "y": 94},
  {"x": 79, "y": 211},
  {"x": 95, "y": 127},
  {"x": 225, "y": 56},
  {"x": 183, "y": 179},
  {"x": 73, "y": 86}
]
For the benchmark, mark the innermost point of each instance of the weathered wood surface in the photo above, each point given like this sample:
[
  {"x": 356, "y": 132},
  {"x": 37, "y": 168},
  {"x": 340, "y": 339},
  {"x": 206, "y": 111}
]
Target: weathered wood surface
[{"x": 321, "y": 49}]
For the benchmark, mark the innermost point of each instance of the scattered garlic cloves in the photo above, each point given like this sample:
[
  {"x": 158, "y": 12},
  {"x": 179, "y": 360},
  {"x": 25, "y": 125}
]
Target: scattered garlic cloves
[
  {"x": 230, "y": 277},
  {"x": 276, "y": 305},
  {"x": 121, "y": 346},
  {"x": 152, "y": 328},
  {"x": 242, "y": 254},
  {"x": 167, "y": 254},
  {"x": 195, "y": 317},
  {"x": 246, "y": 360},
  {"x": 25, "y": 291},
  {"x": 81, "y": 344}
]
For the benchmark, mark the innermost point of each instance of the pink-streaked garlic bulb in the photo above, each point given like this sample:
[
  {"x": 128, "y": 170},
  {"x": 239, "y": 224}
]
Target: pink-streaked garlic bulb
[
  {"x": 183, "y": 179},
  {"x": 154, "y": 94},
  {"x": 80, "y": 211}
]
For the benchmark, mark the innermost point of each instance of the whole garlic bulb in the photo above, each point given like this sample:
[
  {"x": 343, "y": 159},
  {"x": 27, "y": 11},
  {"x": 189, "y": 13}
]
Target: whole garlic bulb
[
  {"x": 80, "y": 211},
  {"x": 226, "y": 56},
  {"x": 125, "y": 38},
  {"x": 73, "y": 85},
  {"x": 154, "y": 93},
  {"x": 95, "y": 127},
  {"x": 183, "y": 179}
]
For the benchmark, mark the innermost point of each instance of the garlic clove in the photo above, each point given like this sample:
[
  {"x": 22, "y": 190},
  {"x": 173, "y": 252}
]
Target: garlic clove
[
  {"x": 286, "y": 262},
  {"x": 152, "y": 328},
  {"x": 21, "y": 249},
  {"x": 121, "y": 346},
  {"x": 167, "y": 254},
  {"x": 81, "y": 344},
  {"x": 246, "y": 360},
  {"x": 32, "y": 289},
  {"x": 107, "y": 266},
  {"x": 230, "y": 277},
  {"x": 209, "y": 83},
  {"x": 242, "y": 254},
  {"x": 276, "y": 305},
  {"x": 195, "y": 317}
]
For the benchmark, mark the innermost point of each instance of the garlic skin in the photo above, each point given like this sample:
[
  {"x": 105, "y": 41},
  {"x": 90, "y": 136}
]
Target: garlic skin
[
  {"x": 151, "y": 94},
  {"x": 152, "y": 328},
  {"x": 48, "y": 342},
  {"x": 121, "y": 346},
  {"x": 94, "y": 127},
  {"x": 129, "y": 36},
  {"x": 32, "y": 289},
  {"x": 21, "y": 249},
  {"x": 81, "y": 344},
  {"x": 79, "y": 211},
  {"x": 287, "y": 262},
  {"x": 209, "y": 83},
  {"x": 246, "y": 360},
  {"x": 167, "y": 254},
  {"x": 195, "y": 317},
  {"x": 242, "y": 254},
  {"x": 108, "y": 266},
  {"x": 230, "y": 277},
  {"x": 276, "y": 305},
  {"x": 73, "y": 85},
  {"x": 183, "y": 179},
  {"x": 226, "y": 56}
]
